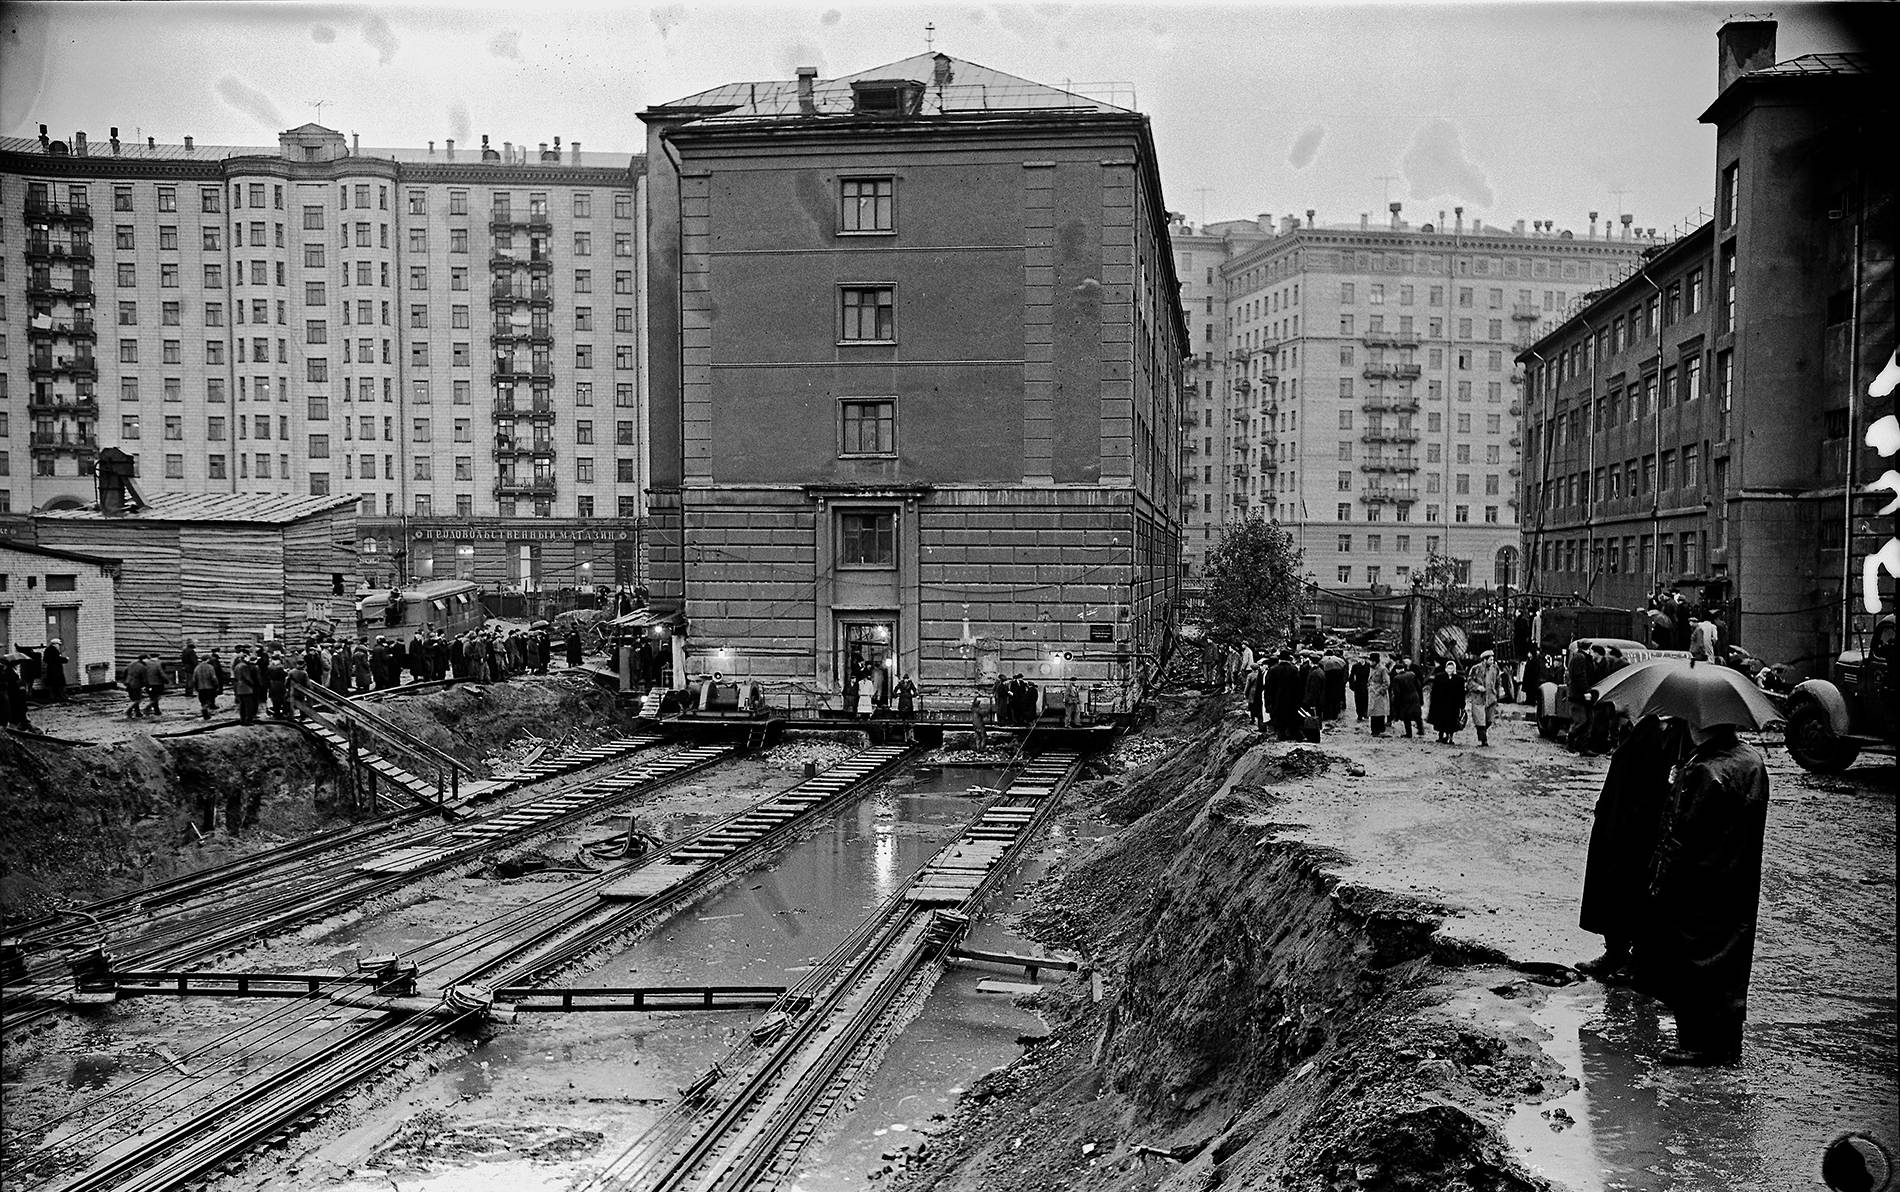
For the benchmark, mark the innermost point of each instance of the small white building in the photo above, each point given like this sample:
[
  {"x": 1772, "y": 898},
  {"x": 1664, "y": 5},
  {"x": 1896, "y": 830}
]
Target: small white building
[{"x": 47, "y": 593}]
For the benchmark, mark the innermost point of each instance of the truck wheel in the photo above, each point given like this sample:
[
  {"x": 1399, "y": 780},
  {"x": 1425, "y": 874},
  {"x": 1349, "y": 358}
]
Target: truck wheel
[{"x": 1812, "y": 741}]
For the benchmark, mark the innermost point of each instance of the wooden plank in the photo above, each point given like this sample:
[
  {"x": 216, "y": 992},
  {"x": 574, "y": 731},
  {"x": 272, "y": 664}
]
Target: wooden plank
[{"x": 646, "y": 882}]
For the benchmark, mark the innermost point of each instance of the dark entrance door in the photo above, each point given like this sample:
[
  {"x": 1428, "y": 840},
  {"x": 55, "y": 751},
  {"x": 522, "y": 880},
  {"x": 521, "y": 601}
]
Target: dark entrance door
[
  {"x": 63, "y": 623},
  {"x": 864, "y": 647}
]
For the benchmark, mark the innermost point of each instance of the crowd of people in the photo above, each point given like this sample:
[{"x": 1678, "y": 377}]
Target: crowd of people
[{"x": 1295, "y": 693}]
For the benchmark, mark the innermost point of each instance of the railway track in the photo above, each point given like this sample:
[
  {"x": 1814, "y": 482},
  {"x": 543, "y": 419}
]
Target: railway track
[
  {"x": 204, "y": 914},
  {"x": 515, "y": 949},
  {"x": 747, "y": 1127}
]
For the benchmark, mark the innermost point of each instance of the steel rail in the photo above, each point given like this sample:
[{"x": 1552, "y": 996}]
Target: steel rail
[{"x": 218, "y": 1133}]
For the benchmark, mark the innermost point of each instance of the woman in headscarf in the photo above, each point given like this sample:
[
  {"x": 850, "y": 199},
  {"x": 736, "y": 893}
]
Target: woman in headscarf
[{"x": 1448, "y": 702}]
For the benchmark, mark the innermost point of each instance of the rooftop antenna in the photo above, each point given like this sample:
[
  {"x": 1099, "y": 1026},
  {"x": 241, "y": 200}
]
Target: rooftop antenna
[
  {"x": 1388, "y": 180},
  {"x": 930, "y": 36},
  {"x": 1618, "y": 194},
  {"x": 318, "y": 104},
  {"x": 1203, "y": 191}
]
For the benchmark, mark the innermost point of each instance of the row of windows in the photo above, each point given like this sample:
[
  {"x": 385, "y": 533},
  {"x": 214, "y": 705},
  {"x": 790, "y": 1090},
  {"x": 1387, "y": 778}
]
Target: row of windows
[
  {"x": 1635, "y": 554},
  {"x": 1667, "y": 471}
]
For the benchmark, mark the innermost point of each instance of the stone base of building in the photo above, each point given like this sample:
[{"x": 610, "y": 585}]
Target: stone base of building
[{"x": 781, "y": 584}]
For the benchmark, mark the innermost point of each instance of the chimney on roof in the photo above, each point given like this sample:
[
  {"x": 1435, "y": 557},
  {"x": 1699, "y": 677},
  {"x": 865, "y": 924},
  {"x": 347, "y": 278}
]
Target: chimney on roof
[
  {"x": 1460, "y": 213},
  {"x": 1287, "y": 224},
  {"x": 356, "y": 145},
  {"x": 542, "y": 153},
  {"x": 1593, "y": 225},
  {"x": 1626, "y": 219},
  {"x": 448, "y": 149},
  {"x": 1309, "y": 218},
  {"x": 1365, "y": 222},
  {"x": 487, "y": 153},
  {"x": 188, "y": 146},
  {"x": 79, "y": 143},
  {"x": 115, "y": 140},
  {"x": 44, "y": 140},
  {"x": 1743, "y": 46},
  {"x": 508, "y": 152},
  {"x": 431, "y": 148},
  {"x": 807, "y": 103},
  {"x": 1517, "y": 229},
  {"x": 1264, "y": 221},
  {"x": 576, "y": 148},
  {"x": 1395, "y": 208}
]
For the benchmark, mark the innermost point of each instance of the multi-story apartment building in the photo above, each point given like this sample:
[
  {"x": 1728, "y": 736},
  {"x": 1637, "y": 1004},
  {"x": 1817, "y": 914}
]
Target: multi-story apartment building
[
  {"x": 455, "y": 337},
  {"x": 1372, "y": 405},
  {"x": 1704, "y": 425},
  {"x": 917, "y": 401},
  {"x": 1206, "y": 431}
]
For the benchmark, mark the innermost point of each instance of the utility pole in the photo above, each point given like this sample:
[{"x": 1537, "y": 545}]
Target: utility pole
[{"x": 1388, "y": 180}]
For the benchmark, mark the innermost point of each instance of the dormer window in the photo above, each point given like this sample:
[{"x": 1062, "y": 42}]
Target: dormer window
[{"x": 890, "y": 98}]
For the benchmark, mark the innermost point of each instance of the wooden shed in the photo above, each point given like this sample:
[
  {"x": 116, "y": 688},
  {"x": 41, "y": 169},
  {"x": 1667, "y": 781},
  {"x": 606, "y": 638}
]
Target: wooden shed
[{"x": 219, "y": 569}]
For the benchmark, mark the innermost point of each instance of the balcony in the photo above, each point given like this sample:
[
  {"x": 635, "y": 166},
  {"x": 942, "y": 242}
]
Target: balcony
[
  {"x": 1389, "y": 465},
  {"x": 508, "y": 295},
  {"x": 1514, "y": 410},
  {"x": 1389, "y": 339},
  {"x": 69, "y": 329},
  {"x": 1382, "y": 495},
  {"x": 63, "y": 404},
  {"x": 63, "y": 366},
  {"x": 528, "y": 486},
  {"x": 79, "y": 215},
  {"x": 503, "y": 219},
  {"x": 1515, "y": 440},
  {"x": 1240, "y": 472},
  {"x": 1243, "y": 385},
  {"x": 59, "y": 442},
  {"x": 539, "y": 262},
  {"x": 1390, "y": 435},
  {"x": 1239, "y": 500},
  {"x": 521, "y": 372},
  {"x": 539, "y": 412},
  {"x": 1395, "y": 372},
  {"x": 42, "y": 251},
  {"x": 1523, "y": 313},
  {"x": 513, "y": 448},
  {"x": 1243, "y": 414},
  {"x": 1389, "y": 404},
  {"x": 48, "y": 290},
  {"x": 517, "y": 335}
]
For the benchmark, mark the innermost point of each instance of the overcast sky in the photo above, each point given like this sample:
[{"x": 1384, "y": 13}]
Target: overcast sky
[{"x": 1517, "y": 111}]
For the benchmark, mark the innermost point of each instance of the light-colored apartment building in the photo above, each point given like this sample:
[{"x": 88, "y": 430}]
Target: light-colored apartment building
[
  {"x": 453, "y": 336},
  {"x": 1372, "y": 406}
]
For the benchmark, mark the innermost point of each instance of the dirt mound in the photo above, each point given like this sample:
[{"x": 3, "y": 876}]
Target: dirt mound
[
  {"x": 1263, "y": 1025},
  {"x": 478, "y": 721}
]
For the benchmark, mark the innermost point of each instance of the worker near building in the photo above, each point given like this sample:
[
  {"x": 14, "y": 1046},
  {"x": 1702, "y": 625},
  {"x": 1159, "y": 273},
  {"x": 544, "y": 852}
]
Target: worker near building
[
  {"x": 1447, "y": 712},
  {"x": 204, "y": 684},
  {"x": 154, "y": 684},
  {"x": 135, "y": 688},
  {"x": 53, "y": 672},
  {"x": 977, "y": 718},
  {"x": 187, "y": 663},
  {"x": 1698, "y": 947},
  {"x": 1408, "y": 697},
  {"x": 1284, "y": 690},
  {"x": 906, "y": 698},
  {"x": 277, "y": 685},
  {"x": 1071, "y": 704},
  {"x": 247, "y": 683},
  {"x": 1334, "y": 669}
]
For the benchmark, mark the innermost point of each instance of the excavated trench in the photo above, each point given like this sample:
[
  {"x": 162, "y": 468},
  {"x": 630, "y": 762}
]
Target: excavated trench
[{"x": 1260, "y": 1023}]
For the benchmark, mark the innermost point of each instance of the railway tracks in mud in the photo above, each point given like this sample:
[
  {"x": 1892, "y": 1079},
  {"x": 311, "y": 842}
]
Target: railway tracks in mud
[
  {"x": 201, "y": 915},
  {"x": 212, "y": 1119},
  {"x": 745, "y": 1125}
]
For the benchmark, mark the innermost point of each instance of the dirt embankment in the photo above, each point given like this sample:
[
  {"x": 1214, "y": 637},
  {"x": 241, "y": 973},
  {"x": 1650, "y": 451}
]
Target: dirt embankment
[
  {"x": 487, "y": 724},
  {"x": 90, "y": 822},
  {"x": 1261, "y": 1026}
]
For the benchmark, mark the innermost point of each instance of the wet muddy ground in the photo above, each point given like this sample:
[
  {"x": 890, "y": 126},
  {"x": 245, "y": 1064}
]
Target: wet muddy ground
[{"x": 1499, "y": 835}]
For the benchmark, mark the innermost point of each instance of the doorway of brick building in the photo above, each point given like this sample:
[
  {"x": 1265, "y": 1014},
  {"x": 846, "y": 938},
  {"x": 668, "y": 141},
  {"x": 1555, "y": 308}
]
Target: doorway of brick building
[{"x": 866, "y": 645}]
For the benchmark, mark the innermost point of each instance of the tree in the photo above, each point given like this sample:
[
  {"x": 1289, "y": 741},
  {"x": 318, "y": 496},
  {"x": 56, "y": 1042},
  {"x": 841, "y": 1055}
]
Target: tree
[{"x": 1254, "y": 589}]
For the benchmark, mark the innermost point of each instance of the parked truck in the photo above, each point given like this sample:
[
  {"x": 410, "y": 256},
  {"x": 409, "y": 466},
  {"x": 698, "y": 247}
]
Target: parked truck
[{"x": 1856, "y": 710}]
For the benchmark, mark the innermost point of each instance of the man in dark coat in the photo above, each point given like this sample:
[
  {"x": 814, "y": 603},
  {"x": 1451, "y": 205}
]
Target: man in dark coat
[
  {"x": 575, "y": 646},
  {"x": 999, "y": 699},
  {"x": 1698, "y": 946},
  {"x": 217, "y": 669},
  {"x": 418, "y": 658},
  {"x": 438, "y": 657},
  {"x": 542, "y": 651},
  {"x": 187, "y": 662},
  {"x": 277, "y": 685},
  {"x": 12, "y": 696},
  {"x": 1578, "y": 679},
  {"x": 247, "y": 683},
  {"x": 1408, "y": 698},
  {"x": 1284, "y": 691},
  {"x": 53, "y": 676},
  {"x": 1335, "y": 676},
  {"x": 1358, "y": 679},
  {"x": 1623, "y": 842},
  {"x": 1253, "y": 691}
]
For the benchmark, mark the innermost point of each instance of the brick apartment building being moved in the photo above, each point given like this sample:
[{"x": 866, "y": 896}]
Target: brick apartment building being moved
[
  {"x": 454, "y": 337},
  {"x": 917, "y": 402}
]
